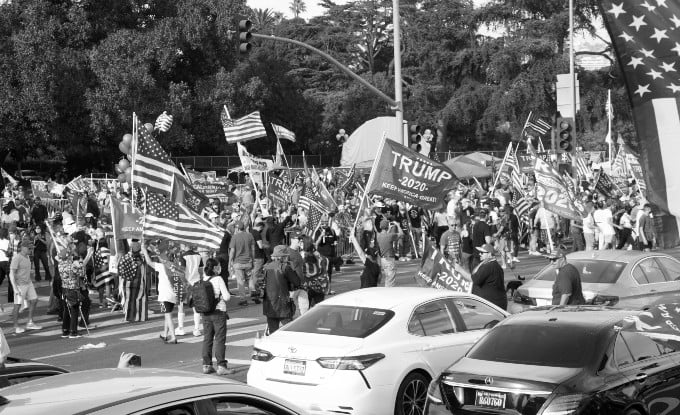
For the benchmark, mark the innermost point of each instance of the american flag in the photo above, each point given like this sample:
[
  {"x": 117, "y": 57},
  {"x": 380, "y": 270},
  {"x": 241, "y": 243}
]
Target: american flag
[
  {"x": 619, "y": 167},
  {"x": 537, "y": 125},
  {"x": 309, "y": 200},
  {"x": 520, "y": 204},
  {"x": 169, "y": 220},
  {"x": 516, "y": 173},
  {"x": 242, "y": 129},
  {"x": 101, "y": 266},
  {"x": 152, "y": 167},
  {"x": 578, "y": 163},
  {"x": 78, "y": 185},
  {"x": 646, "y": 40},
  {"x": 282, "y": 132}
]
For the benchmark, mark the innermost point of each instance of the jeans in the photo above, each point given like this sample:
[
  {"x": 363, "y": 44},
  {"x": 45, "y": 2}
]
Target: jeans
[
  {"x": 466, "y": 261},
  {"x": 71, "y": 313},
  {"x": 589, "y": 238},
  {"x": 241, "y": 270},
  {"x": 577, "y": 237},
  {"x": 417, "y": 234},
  {"x": 38, "y": 257},
  {"x": 215, "y": 337},
  {"x": 257, "y": 275},
  {"x": 388, "y": 268}
]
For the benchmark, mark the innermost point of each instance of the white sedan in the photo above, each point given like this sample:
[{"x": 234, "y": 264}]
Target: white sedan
[{"x": 370, "y": 351}]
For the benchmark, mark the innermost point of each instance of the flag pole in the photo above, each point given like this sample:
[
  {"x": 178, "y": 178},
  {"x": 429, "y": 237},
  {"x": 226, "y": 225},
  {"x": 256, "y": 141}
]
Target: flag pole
[
  {"x": 500, "y": 170},
  {"x": 545, "y": 218},
  {"x": 370, "y": 177}
]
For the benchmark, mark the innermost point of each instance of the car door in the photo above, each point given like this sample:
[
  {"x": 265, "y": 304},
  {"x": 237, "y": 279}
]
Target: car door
[
  {"x": 433, "y": 326},
  {"x": 652, "y": 372},
  {"x": 651, "y": 280}
]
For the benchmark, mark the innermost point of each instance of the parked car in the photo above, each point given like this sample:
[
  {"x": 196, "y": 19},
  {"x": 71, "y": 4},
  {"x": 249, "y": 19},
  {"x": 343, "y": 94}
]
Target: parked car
[
  {"x": 22, "y": 370},
  {"x": 617, "y": 278},
  {"x": 370, "y": 351},
  {"x": 135, "y": 391},
  {"x": 561, "y": 360}
]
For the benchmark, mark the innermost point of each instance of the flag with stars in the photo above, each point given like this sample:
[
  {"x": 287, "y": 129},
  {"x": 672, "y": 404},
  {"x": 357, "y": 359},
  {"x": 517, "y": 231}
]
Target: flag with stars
[
  {"x": 168, "y": 220},
  {"x": 242, "y": 129},
  {"x": 310, "y": 200},
  {"x": 102, "y": 274},
  {"x": 152, "y": 167},
  {"x": 646, "y": 39}
]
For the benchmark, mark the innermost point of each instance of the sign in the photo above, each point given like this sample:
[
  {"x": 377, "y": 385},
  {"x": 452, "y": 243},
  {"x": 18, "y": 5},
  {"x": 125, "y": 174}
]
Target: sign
[
  {"x": 127, "y": 221},
  {"x": 554, "y": 193},
  {"x": 526, "y": 161},
  {"x": 403, "y": 174},
  {"x": 636, "y": 170},
  {"x": 251, "y": 164},
  {"x": 436, "y": 272},
  {"x": 279, "y": 191},
  {"x": 605, "y": 185},
  {"x": 212, "y": 189}
]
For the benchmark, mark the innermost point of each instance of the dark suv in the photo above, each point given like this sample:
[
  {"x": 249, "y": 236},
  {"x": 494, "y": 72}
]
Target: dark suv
[{"x": 561, "y": 360}]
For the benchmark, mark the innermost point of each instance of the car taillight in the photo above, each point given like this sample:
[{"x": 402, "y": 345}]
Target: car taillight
[
  {"x": 350, "y": 362},
  {"x": 606, "y": 300},
  {"x": 520, "y": 298},
  {"x": 563, "y": 404},
  {"x": 261, "y": 355}
]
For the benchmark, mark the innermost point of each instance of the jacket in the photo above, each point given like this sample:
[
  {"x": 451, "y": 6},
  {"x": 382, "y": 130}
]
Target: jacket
[
  {"x": 488, "y": 283},
  {"x": 279, "y": 280}
]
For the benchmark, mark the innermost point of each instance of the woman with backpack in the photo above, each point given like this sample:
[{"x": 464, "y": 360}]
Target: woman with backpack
[{"x": 214, "y": 322}]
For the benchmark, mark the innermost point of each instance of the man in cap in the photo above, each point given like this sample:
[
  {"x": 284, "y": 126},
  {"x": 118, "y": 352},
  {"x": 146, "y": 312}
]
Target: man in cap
[
  {"x": 24, "y": 291},
  {"x": 241, "y": 254},
  {"x": 566, "y": 289},
  {"x": 488, "y": 277},
  {"x": 279, "y": 281}
]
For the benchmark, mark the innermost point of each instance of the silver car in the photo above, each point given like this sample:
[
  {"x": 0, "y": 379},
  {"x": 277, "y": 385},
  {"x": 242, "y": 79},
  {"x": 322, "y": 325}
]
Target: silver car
[{"x": 611, "y": 277}]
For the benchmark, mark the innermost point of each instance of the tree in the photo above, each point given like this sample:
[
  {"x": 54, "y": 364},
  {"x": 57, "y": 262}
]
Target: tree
[
  {"x": 297, "y": 7},
  {"x": 264, "y": 20}
]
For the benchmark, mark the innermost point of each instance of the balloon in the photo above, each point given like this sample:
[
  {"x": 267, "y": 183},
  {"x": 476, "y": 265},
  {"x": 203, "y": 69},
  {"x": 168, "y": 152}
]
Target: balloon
[
  {"x": 122, "y": 178},
  {"x": 124, "y": 148},
  {"x": 127, "y": 139},
  {"x": 164, "y": 122},
  {"x": 149, "y": 127},
  {"x": 117, "y": 169},
  {"x": 129, "y": 157},
  {"x": 128, "y": 171},
  {"x": 123, "y": 164}
]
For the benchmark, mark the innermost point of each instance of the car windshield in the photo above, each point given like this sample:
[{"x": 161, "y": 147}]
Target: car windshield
[
  {"x": 591, "y": 271},
  {"x": 341, "y": 321},
  {"x": 539, "y": 345}
]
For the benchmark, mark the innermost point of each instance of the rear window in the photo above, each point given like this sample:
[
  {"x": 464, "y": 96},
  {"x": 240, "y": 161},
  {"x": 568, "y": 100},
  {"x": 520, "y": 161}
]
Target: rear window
[
  {"x": 591, "y": 270},
  {"x": 341, "y": 321},
  {"x": 540, "y": 345}
]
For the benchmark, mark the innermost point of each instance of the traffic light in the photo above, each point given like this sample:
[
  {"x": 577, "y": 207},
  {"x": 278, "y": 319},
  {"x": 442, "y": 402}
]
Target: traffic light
[
  {"x": 415, "y": 137},
  {"x": 565, "y": 134},
  {"x": 244, "y": 36}
]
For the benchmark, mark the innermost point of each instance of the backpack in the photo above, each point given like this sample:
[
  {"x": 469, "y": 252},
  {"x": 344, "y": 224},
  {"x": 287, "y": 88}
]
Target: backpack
[{"x": 203, "y": 296}]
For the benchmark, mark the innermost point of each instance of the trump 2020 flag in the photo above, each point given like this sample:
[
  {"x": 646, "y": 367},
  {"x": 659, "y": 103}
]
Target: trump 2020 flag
[
  {"x": 646, "y": 40},
  {"x": 436, "y": 272},
  {"x": 403, "y": 174}
]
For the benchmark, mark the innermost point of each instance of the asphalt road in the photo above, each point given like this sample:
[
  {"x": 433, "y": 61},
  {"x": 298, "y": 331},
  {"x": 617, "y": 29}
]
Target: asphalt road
[{"x": 104, "y": 344}]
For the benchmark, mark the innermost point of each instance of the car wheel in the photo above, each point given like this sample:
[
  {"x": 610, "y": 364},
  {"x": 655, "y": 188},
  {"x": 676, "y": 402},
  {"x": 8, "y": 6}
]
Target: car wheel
[{"x": 412, "y": 395}]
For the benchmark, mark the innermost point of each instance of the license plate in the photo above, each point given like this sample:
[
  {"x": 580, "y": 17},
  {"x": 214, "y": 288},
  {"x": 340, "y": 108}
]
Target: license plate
[
  {"x": 490, "y": 399},
  {"x": 542, "y": 302},
  {"x": 294, "y": 367}
]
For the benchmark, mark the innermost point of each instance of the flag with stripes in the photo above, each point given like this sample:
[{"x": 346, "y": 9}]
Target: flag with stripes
[
  {"x": 102, "y": 275},
  {"x": 78, "y": 185},
  {"x": 310, "y": 200},
  {"x": 152, "y": 168},
  {"x": 242, "y": 129},
  {"x": 537, "y": 126},
  {"x": 619, "y": 167},
  {"x": 11, "y": 180},
  {"x": 520, "y": 203},
  {"x": 282, "y": 132},
  {"x": 578, "y": 163},
  {"x": 515, "y": 173},
  {"x": 646, "y": 42},
  {"x": 168, "y": 220}
]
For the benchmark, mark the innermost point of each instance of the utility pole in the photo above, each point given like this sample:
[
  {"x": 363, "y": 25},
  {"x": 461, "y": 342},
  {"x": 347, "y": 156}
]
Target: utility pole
[
  {"x": 572, "y": 75},
  {"x": 398, "y": 94}
]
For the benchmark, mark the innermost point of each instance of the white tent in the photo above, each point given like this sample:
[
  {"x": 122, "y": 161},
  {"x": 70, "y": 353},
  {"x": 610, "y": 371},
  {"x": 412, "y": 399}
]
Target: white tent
[{"x": 362, "y": 146}]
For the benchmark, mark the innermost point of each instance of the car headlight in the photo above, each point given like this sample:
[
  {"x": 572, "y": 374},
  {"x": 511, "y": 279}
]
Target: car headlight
[
  {"x": 350, "y": 362},
  {"x": 261, "y": 355},
  {"x": 563, "y": 404}
]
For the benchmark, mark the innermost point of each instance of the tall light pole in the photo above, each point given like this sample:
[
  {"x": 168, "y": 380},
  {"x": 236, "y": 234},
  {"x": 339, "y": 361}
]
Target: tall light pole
[
  {"x": 398, "y": 95},
  {"x": 572, "y": 74}
]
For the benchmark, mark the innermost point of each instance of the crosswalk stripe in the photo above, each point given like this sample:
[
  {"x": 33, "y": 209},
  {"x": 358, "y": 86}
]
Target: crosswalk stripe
[
  {"x": 82, "y": 330},
  {"x": 242, "y": 343},
  {"x": 184, "y": 339}
]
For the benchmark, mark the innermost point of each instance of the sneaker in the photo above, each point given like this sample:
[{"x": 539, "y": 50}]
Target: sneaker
[
  {"x": 18, "y": 330},
  {"x": 75, "y": 336},
  {"x": 514, "y": 259},
  {"x": 179, "y": 331},
  {"x": 223, "y": 371},
  {"x": 32, "y": 326},
  {"x": 197, "y": 333},
  {"x": 64, "y": 335},
  {"x": 503, "y": 266},
  {"x": 208, "y": 369}
]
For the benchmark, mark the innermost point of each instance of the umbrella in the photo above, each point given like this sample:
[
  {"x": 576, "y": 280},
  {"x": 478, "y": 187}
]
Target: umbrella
[{"x": 465, "y": 168}]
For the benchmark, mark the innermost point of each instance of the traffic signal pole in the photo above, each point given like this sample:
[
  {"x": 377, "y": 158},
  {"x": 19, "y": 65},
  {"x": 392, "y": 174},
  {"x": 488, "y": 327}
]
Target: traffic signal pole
[
  {"x": 403, "y": 139},
  {"x": 394, "y": 104}
]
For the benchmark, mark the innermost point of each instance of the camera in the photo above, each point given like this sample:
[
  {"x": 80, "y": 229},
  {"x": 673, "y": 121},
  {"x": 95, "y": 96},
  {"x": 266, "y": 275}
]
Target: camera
[{"x": 136, "y": 361}]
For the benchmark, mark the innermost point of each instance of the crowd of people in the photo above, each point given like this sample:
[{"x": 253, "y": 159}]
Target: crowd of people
[{"x": 277, "y": 259}]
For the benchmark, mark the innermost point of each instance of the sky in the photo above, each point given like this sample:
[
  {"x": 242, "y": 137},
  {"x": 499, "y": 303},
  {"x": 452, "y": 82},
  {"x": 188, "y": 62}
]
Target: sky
[{"x": 313, "y": 8}]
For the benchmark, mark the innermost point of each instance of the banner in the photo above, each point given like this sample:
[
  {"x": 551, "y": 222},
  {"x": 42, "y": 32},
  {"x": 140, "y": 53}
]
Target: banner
[
  {"x": 249, "y": 163},
  {"x": 127, "y": 221},
  {"x": 636, "y": 169},
  {"x": 526, "y": 160},
  {"x": 436, "y": 272},
  {"x": 402, "y": 174},
  {"x": 605, "y": 185},
  {"x": 279, "y": 191},
  {"x": 554, "y": 193},
  {"x": 660, "y": 323},
  {"x": 212, "y": 189}
]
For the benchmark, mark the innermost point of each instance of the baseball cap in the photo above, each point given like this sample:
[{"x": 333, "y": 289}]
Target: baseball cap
[
  {"x": 487, "y": 249},
  {"x": 557, "y": 253}
]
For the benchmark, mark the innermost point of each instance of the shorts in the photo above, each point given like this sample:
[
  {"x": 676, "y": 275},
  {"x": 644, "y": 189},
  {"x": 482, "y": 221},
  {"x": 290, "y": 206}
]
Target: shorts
[
  {"x": 167, "y": 307},
  {"x": 24, "y": 292}
]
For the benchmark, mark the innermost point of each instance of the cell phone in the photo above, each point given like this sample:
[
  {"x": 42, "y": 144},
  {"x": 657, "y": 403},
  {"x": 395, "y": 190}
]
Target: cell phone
[{"x": 136, "y": 360}]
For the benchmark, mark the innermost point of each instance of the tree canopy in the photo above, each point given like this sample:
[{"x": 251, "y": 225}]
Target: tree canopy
[{"x": 72, "y": 73}]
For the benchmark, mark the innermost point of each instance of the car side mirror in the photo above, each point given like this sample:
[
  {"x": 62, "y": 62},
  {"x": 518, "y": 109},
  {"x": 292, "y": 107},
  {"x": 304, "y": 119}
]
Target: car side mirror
[{"x": 491, "y": 324}]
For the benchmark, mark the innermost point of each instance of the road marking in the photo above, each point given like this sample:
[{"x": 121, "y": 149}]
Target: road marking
[
  {"x": 249, "y": 342},
  {"x": 185, "y": 339},
  {"x": 55, "y": 355},
  {"x": 231, "y": 334},
  {"x": 107, "y": 323}
]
